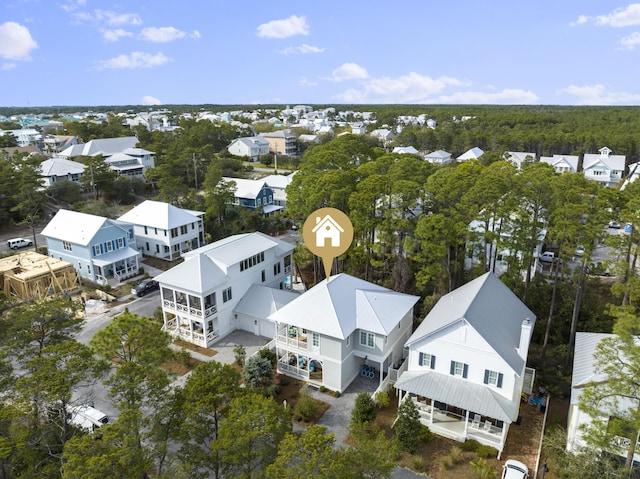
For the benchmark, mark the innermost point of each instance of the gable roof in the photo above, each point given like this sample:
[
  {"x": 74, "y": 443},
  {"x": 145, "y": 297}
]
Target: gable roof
[
  {"x": 198, "y": 274},
  {"x": 489, "y": 307},
  {"x": 251, "y": 141},
  {"x": 611, "y": 162},
  {"x": 246, "y": 188},
  {"x": 584, "y": 370},
  {"x": 278, "y": 181},
  {"x": 104, "y": 146},
  {"x": 338, "y": 307},
  {"x": 438, "y": 154},
  {"x": 158, "y": 214},
  {"x": 471, "y": 154},
  {"x": 60, "y": 167},
  {"x": 570, "y": 160},
  {"x": 78, "y": 228}
]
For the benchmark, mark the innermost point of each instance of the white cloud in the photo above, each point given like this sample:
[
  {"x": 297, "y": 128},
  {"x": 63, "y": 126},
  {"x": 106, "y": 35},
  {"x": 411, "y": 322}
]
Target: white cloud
[
  {"x": 304, "y": 81},
  {"x": 598, "y": 95},
  {"x": 631, "y": 41},
  {"x": 134, "y": 60},
  {"x": 165, "y": 34},
  {"x": 582, "y": 19},
  {"x": 287, "y": 27},
  {"x": 349, "y": 71},
  {"x": 109, "y": 17},
  {"x": 150, "y": 100},
  {"x": 303, "y": 49},
  {"x": 8, "y": 66},
  {"x": 621, "y": 17},
  {"x": 115, "y": 35},
  {"x": 409, "y": 88},
  {"x": 508, "y": 96},
  {"x": 73, "y": 5},
  {"x": 16, "y": 42}
]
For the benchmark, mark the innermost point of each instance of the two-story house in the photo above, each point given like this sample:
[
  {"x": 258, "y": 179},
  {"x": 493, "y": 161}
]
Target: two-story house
[
  {"x": 253, "y": 195},
  {"x": 328, "y": 334},
  {"x": 562, "y": 163},
  {"x": 165, "y": 231},
  {"x": 279, "y": 183},
  {"x": 200, "y": 295},
  {"x": 605, "y": 168},
  {"x": 252, "y": 147},
  {"x": 466, "y": 362},
  {"x": 281, "y": 142},
  {"x": 471, "y": 154},
  {"x": 519, "y": 158},
  {"x": 438, "y": 157},
  {"x": 99, "y": 248},
  {"x": 54, "y": 170}
]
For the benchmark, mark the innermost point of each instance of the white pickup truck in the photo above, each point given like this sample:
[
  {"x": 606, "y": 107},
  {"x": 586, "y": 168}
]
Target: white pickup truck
[{"x": 548, "y": 257}]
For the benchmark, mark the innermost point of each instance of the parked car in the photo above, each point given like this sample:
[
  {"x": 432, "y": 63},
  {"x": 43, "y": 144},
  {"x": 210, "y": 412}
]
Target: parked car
[
  {"x": 598, "y": 269},
  {"x": 513, "y": 469},
  {"x": 16, "y": 243},
  {"x": 579, "y": 250},
  {"x": 145, "y": 286},
  {"x": 614, "y": 224},
  {"x": 548, "y": 257}
]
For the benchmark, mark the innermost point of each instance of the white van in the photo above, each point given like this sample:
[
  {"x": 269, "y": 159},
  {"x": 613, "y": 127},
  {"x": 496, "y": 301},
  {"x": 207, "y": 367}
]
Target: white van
[
  {"x": 87, "y": 417},
  {"x": 16, "y": 243}
]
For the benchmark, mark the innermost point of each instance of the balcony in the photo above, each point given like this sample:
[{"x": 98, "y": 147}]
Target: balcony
[{"x": 292, "y": 336}]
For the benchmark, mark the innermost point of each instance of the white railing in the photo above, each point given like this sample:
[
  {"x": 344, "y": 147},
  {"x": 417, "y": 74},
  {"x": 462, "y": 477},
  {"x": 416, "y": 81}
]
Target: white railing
[
  {"x": 287, "y": 269},
  {"x": 294, "y": 371},
  {"x": 292, "y": 340},
  {"x": 169, "y": 304},
  {"x": 211, "y": 310},
  {"x": 195, "y": 312},
  {"x": 182, "y": 307},
  {"x": 211, "y": 335},
  {"x": 171, "y": 324},
  {"x": 126, "y": 273},
  {"x": 394, "y": 373}
]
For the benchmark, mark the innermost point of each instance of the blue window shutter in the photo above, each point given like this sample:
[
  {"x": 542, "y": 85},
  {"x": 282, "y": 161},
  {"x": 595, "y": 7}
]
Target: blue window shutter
[
  {"x": 465, "y": 370},
  {"x": 486, "y": 376},
  {"x": 499, "y": 380},
  {"x": 453, "y": 368},
  {"x": 433, "y": 362},
  {"x": 420, "y": 359}
]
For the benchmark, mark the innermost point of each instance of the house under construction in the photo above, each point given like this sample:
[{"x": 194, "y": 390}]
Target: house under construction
[{"x": 32, "y": 276}]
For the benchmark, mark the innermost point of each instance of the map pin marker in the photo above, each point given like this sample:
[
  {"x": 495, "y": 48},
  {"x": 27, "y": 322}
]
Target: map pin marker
[{"x": 328, "y": 233}]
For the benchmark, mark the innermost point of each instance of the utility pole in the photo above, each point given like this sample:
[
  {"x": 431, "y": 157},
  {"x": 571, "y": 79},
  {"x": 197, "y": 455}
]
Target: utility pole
[{"x": 195, "y": 171}]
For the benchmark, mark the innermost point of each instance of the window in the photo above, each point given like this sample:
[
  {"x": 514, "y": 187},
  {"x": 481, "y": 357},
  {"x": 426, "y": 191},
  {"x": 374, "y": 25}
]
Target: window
[
  {"x": 157, "y": 248},
  {"x": 155, "y": 231},
  {"x": 96, "y": 250},
  {"x": 315, "y": 340},
  {"x": 145, "y": 230},
  {"x": 109, "y": 246},
  {"x": 348, "y": 340},
  {"x": 183, "y": 229},
  {"x": 226, "y": 295},
  {"x": 264, "y": 275},
  {"x": 66, "y": 245},
  {"x": 120, "y": 243},
  {"x": 428, "y": 360},
  {"x": 146, "y": 244},
  {"x": 174, "y": 232},
  {"x": 276, "y": 269},
  {"x": 493, "y": 378},
  {"x": 459, "y": 369},
  {"x": 259, "y": 201},
  {"x": 367, "y": 339}
]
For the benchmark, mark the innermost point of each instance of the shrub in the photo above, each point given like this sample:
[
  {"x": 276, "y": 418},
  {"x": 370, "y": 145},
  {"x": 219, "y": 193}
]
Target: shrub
[
  {"x": 323, "y": 389},
  {"x": 336, "y": 394},
  {"x": 306, "y": 408},
  {"x": 470, "y": 445},
  {"x": 382, "y": 399},
  {"x": 482, "y": 469},
  {"x": 426, "y": 436},
  {"x": 257, "y": 372},
  {"x": 486, "y": 451},
  {"x": 408, "y": 426},
  {"x": 184, "y": 358},
  {"x": 284, "y": 381},
  {"x": 445, "y": 462},
  {"x": 418, "y": 463},
  {"x": 268, "y": 354},
  {"x": 455, "y": 454},
  {"x": 364, "y": 410},
  {"x": 240, "y": 354}
]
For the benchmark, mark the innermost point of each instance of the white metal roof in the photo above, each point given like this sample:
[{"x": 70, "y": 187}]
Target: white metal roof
[
  {"x": 78, "y": 228},
  {"x": 106, "y": 146},
  {"x": 459, "y": 393},
  {"x": 157, "y": 214},
  {"x": 261, "y": 301},
  {"x": 488, "y": 306},
  {"x": 116, "y": 255},
  {"x": 584, "y": 370},
  {"x": 246, "y": 188},
  {"x": 198, "y": 274},
  {"x": 279, "y": 181},
  {"x": 471, "y": 154},
  {"x": 60, "y": 167},
  {"x": 343, "y": 304}
]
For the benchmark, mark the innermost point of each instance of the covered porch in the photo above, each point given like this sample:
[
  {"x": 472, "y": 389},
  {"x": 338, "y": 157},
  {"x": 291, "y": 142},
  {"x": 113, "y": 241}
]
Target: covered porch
[
  {"x": 118, "y": 265},
  {"x": 458, "y": 409},
  {"x": 191, "y": 329},
  {"x": 300, "y": 366}
]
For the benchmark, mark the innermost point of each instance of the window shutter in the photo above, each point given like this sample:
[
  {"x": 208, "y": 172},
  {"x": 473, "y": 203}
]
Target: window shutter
[
  {"x": 465, "y": 370},
  {"x": 486, "y": 376},
  {"x": 499, "y": 380},
  {"x": 433, "y": 362},
  {"x": 452, "y": 371},
  {"x": 420, "y": 359}
]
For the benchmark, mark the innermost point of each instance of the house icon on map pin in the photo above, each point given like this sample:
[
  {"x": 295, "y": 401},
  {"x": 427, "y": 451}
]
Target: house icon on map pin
[{"x": 327, "y": 228}]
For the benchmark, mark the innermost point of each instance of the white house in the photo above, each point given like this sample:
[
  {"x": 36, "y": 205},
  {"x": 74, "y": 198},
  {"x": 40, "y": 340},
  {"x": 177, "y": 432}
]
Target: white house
[
  {"x": 165, "y": 231},
  {"x": 385, "y": 135},
  {"x": 326, "y": 335},
  {"x": 54, "y": 170},
  {"x": 472, "y": 154},
  {"x": 561, "y": 163},
  {"x": 200, "y": 295},
  {"x": 466, "y": 362},
  {"x": 438, "y": 157},
  {"x": 634, "y": 173},
  {"x": 584, "y": 372},
  {"x": 518, "y": 158},
  {"x": 405, "y": 150},
  {"x": 604, "y": 167},
  {"x": 252, "y": 147},
  {"x": 278, "y": 184}
]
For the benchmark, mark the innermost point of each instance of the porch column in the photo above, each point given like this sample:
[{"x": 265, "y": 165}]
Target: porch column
[
  {"x": 466, "y": 423},
  {"x": 380, "y": 368},
  {"x": 503, "y": 438},
  {"x": 190, "y": 324},
  {"x": 433, "y": 409}
]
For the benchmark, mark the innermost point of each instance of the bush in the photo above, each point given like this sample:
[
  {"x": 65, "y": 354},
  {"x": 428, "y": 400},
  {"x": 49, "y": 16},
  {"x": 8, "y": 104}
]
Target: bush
[
  {"x": 257, "y": 372},
  {"x": 323, "y": 389},
  {"x": 486, "y": 452},
  {"x": 240, "y": 354},
  {"x": 445, "y": 462},
  {"x": 382, "y": 399},
  {"x": 455, "y": 454},
  {"x": 408, "y": 426},
  {"x": 482, "y": 469},
  {"x": 268, "y": 354},
  {"x": 470, "y": 445},
  {"x": 184, "y": 358},
  {"x": 426, "y": 436},
  {"x": 364, "y": 410},
  {"x": 284, "y": 381},
  {"x": 418, "y": 463},
  {"x": 306, "y": 408},
  {"x": 336, "y": 394}
]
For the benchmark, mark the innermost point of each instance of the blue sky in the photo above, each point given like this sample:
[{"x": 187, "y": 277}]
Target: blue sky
[{"x": 151, "y": 52}]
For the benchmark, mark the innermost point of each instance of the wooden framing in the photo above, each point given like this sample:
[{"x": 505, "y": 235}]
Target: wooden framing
[{"x": 32, "y": 276}]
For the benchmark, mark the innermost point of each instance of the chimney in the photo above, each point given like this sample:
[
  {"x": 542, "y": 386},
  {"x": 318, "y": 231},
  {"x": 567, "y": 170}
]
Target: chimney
[{"x": 525, "y": 337}]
